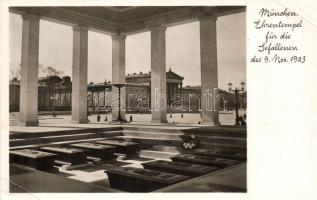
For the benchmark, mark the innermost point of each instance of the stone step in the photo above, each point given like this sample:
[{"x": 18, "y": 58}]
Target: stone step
[
  {"x": 151, "y": 134},
  {"x": 226, "y": 140},
  {"x": 59, "y": 138},
  {"x": 176, "y": 136},
  {"x": 150, "y": 141},
  {"x": 20, "y": 135},
  {"x": 217, "y": 134},
  {"x": 222, "y": 131},
  {"x": 29, "y": 141},
  {"x": 157, "y": 154},
  {"x": 158, "y": 129},
  {"x": 171, "y": 149},
  {"x": 164, "y": 136},
  {"x": 178, "y": 149},
  {"x": 55, "y": 143},
  {"x": 178, "y": 142},
  {"x": 221, "y": 146}
]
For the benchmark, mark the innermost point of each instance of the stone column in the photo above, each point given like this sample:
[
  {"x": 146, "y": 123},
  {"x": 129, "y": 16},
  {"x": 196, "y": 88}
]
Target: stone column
[
  {"x": 118, "y": 75},
  {"x": 181, "y": 89},
  {"x": 209, "y": 72},
  {"x": 158, "y": 74},
  {"x": 92, "y": 101},
  {"x": 65, "y": 99},
  {"x": 104, "y": 98},
  {"x": 175, "y": 89},
  {"x": 59, "y": 97},
  {"x": 79, "y": 84},
  {"x": 29, "y": 70},
  {"x": 168, "y": 94}
]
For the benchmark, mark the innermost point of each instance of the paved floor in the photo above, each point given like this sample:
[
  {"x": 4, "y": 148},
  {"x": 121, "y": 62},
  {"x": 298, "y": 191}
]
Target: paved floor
[
  {"x": 95, "y": 173},
  {"x": 92, "y": 178},
  {"x": 63, "y": 122},
  {"x": 23, "y": 179},
  {"x": 232, "y": 179}
]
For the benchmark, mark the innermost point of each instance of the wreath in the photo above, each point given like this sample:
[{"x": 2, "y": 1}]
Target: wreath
[{"x": 190, "y": 141}]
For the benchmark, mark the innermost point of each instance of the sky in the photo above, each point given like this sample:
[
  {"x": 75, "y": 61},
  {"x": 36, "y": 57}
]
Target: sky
[{"x": 182, "y": 50}]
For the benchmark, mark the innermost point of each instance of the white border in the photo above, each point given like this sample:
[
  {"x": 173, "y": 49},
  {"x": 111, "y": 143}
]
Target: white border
[{"x": 282, "y": 111}]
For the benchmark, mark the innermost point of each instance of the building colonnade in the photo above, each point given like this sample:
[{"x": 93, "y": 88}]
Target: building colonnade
[
  {"x": 29, "y": 65},
  {"x": 173, "y": 89}
]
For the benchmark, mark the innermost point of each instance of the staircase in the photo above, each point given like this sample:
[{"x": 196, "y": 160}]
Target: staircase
[
  {"x": 165, "y": 143},
  {"x": 21, "y": 140},
  {"x": 156, "y": 141}
]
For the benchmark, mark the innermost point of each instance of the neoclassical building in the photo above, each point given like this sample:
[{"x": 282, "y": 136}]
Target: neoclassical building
[{"x": 55, "y": 93}]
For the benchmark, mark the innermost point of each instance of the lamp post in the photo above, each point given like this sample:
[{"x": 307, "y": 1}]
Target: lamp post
[
  {"x": 53, "y": 105},
  {"x": 236, "y": 93},
  {"x": 106, "y": 99},
  {"x": 88, "y": 96},
  {"x": 119, "y": 86}
]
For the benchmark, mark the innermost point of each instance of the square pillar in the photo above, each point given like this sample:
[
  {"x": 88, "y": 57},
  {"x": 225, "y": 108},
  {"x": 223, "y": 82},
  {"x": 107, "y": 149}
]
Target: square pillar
[
  {"x": 209, "y": 72},
  {"x": 29, "y": 70},
  {"x": 168, "y": 94},
  {"x": 118, "y": 76},
  {"x": 79, "y": 83},
  {"x": 158, "y": 74}
]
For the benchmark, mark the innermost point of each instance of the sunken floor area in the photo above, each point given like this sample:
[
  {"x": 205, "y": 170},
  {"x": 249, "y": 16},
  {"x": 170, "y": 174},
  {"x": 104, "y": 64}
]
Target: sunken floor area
[{"x": 128, "y": 158}]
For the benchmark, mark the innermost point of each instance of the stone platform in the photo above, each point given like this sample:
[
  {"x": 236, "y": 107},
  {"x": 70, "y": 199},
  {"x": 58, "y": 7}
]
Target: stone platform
[
  {"x": 23, "y": 179},
  {"x": 156, "y": 142},
  {"x": 232, "y": 179}
]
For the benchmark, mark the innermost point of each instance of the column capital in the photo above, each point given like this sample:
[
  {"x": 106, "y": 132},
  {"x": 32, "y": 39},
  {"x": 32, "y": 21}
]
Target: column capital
[
  {"x": 207, "y": 17},
  {"x": 80, "y": 27},
  {"x": 154, "y": 24},
  {"x": 31, "y": 16},
  {"x": 158, "y": 27},
  {"x": 120, "y": 37}
]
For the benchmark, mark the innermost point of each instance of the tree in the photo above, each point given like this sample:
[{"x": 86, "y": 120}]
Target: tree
[
  {"x": 42, "y": 70},
  {"x": 15, "y": 73},
  {"x": 49, "y": 71}
]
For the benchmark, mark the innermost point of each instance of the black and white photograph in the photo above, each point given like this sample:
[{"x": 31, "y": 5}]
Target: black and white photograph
[
  {"x": 128, "y": 99},
  {"x": 158, "y": 99}
]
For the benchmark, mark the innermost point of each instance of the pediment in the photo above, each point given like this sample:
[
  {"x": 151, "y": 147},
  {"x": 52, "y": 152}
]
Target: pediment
[{"x": 172, "y": 75}]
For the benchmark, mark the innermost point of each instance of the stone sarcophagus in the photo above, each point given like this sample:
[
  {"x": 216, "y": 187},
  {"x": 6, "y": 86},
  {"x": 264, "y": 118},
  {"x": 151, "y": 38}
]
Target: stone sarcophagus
[
  {"x": 74, "y": 156},
  {"x": 100, "y": 151},
  {"x": 122, "y": 147},
  {"x": 221, "y": 153},
  {"x": 32, "y": 158},
  {"x": 141, "y": 180},
  {"x": 182, "y": 168},
  {"x": 204, "y": 160}
]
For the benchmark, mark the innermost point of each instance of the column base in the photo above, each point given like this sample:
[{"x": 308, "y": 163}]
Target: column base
[
  {"x": 83, "y": 121},
  {"x": 120, "y": 121},
  {"x": 115, "y": 117},
  {"x": 30, "y": 123},
  {"x": 158, "y": 121},
  {"x": 211, "y": 123},
  {"x": 159, "y": 116}
]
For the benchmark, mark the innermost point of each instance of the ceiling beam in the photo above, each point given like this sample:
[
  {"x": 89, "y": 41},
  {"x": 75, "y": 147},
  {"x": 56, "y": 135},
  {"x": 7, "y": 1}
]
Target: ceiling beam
[{"x": 182, "y": 15}]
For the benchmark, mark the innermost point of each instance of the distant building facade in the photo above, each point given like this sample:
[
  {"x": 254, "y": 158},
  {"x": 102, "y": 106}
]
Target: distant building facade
[{"x": 55, "y": 94}]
